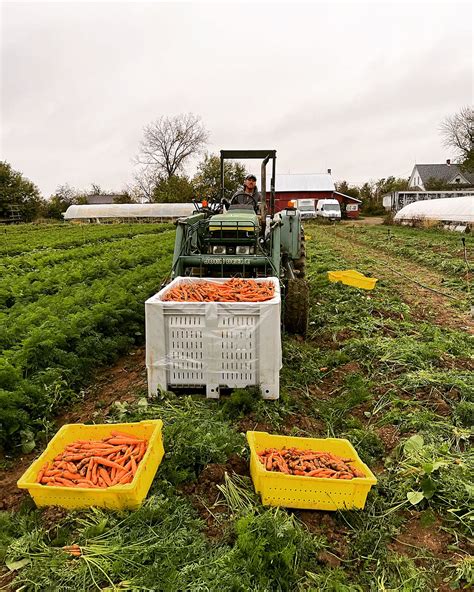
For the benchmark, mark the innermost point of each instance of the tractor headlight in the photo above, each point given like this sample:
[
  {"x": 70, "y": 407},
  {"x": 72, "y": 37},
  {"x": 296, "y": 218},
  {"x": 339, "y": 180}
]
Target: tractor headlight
[
  {"x": 219, "y": 250},
  {"x": 242, "y": 250}
]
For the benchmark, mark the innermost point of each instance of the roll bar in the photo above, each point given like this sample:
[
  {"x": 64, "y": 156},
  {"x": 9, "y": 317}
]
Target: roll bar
[{"x": 265, "y": 155}]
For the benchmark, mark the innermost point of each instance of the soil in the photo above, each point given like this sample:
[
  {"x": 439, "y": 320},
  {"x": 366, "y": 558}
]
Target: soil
[
  {"x": 431, "y": 539},
  {"x": 52, "y": 516},
  {"x": 331, "y": 382},
  {"x": 304, "y": 426},
  {"x": 125, "y": 381},
  {"x": 207, "y": 499},
  {"x": 365, "y": 221},
  {"x": 390, "y": 437},
  {"x": 325, "y": 524},
  {"x": 250, "y": 424}
]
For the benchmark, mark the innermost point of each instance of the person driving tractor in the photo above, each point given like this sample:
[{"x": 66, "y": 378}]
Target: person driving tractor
[{"x": 247, "y": 195}]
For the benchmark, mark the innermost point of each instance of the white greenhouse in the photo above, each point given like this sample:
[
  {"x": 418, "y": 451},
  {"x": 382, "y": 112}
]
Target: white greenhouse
[
  {"x": 115, "y": 212},
  {"x": 452, "y": 211}
]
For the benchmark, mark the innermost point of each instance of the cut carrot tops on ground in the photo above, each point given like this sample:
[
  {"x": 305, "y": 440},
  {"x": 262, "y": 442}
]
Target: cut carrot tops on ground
[
  {"x": 308, "y": 463},
  {"x": 234, "y": 290},
  {"x": 95, "y": 463}
]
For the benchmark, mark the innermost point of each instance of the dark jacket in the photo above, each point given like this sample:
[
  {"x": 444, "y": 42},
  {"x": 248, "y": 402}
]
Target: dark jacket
[{"x": 256, "y": 194}]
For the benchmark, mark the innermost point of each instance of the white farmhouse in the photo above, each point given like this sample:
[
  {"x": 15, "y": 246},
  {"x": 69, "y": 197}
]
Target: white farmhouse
[{"x": 449, "y": 174}]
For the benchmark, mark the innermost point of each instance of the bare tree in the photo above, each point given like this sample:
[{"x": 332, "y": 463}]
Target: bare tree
[
  {"x": 65, "y": 193},
  {"x": 169, "y": 141},
  {"x": 458, "y": 132},
  {"x": 146, "y": 179}
]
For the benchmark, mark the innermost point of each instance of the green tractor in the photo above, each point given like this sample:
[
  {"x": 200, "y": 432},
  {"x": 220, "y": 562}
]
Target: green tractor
[{"x": 239, "y": 237}]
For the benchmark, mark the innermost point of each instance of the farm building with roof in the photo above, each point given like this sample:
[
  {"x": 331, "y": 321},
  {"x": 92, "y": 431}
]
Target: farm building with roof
[
  {"x": 431, "y": 181},
  {"x": 449, "y": 174},
  {"x": 314, "y": 186}
]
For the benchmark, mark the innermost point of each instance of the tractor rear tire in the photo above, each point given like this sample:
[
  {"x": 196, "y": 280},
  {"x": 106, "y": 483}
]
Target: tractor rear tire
[
  {"x": 296, "y": 306},
  {"x": 300, "y": 263},
  {"x": 300, "y": 266}
]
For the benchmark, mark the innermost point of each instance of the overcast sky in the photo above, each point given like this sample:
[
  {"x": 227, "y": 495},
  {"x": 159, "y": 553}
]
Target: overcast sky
[{"x": 360, "y": 88}]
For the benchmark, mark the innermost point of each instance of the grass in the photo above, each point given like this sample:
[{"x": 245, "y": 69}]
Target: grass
[{"x": 369, "y": 364}]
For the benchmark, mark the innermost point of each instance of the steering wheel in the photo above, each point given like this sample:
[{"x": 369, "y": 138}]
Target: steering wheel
[{"x": 248, "y": 200}]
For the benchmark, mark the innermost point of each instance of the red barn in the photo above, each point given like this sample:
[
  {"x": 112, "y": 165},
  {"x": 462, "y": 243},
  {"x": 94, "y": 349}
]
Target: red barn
[
  {"x": 348, "y": 203},
  {"x": 312, "y": 186}
]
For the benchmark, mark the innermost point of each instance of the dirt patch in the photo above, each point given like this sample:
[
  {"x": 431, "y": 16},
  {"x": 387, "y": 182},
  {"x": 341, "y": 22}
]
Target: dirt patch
[
  {"x": 416, "y": 536},
  {"x": 331, "y": 341},
  {"x": 308, "y": 426},
  {"x": 52, "y": 516},
  {"x": 203, "y": 493},
  {"x": 12, "y": 497},
  {"x": 324, "y": 524},
  {"x": 250, "y": 424},
  {"x": 365, "y": 221},
  {"x": 120, "y": 382},
  {"x": 330, "y": 384},
  {"x": 7, "y": 578},
  {"x": 390, "y": 436}
]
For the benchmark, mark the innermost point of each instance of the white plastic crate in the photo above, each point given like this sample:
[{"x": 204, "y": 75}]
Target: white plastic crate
[{"x": 213, "y": 344}]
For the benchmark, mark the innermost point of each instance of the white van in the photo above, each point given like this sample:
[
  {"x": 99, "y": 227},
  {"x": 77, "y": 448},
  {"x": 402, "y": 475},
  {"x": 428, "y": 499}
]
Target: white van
[
  {"x": 306, "y": 208},
  {"x": 329, "y": 209}
]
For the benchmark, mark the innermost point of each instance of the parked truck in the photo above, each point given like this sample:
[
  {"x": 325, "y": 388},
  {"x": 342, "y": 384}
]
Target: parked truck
[
  {"x": 329, "y": 209},
  {"x": 307, "y": 208}
]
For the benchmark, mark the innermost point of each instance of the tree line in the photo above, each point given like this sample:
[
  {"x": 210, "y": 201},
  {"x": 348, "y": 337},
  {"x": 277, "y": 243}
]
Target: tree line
[{"x": 169, "y": 144}]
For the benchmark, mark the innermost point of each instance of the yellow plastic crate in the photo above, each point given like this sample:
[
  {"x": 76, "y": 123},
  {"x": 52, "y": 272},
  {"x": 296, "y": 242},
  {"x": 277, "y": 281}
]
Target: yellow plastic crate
[
  {"x": 312, "y": 493},
  {"x": 351, "y": 277},
  {"x": 118, "y": 497}
]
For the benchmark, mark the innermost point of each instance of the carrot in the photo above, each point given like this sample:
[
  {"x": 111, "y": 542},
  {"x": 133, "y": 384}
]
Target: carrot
[
  {"x": 104, "y": 461},
  {"x": 41, "y": 473},
  {"x": 105, "y": 477},
  {"x": 94, "y": 473},
  {"x": 126, "y": 478},
  {"x": 123, "y": 435},
  {"x": 95, "y": 463},
  {"x": 69, "y": 475},
  {"x": 308, "y": 463},
  {"x": 74, "y": 550},
  {"x": 65, "y": 482},
  {"x": 89, "y": 469},
  {"x": 234, "y": 290},
  {"x": 121, "y": 441},
  {"x": 134, "y": 466}
]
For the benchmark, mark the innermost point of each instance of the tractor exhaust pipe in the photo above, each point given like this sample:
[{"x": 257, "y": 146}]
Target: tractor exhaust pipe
[{"x": 263, "y": 203}]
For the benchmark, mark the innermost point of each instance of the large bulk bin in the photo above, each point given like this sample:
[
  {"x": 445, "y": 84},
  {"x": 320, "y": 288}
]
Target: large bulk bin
[{"x": 213, "y": 344}]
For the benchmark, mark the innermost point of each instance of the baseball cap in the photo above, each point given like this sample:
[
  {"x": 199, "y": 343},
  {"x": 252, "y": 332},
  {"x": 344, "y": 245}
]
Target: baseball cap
[{"x": 248, "y": 177}]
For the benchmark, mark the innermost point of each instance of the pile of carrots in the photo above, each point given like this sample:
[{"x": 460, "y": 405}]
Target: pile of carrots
[
  {"x": 95, "y": 463},
  {"x": 234, "y": 290},
  {"x": 308, "y": 463},
  {"x": 73, "y": 550}
]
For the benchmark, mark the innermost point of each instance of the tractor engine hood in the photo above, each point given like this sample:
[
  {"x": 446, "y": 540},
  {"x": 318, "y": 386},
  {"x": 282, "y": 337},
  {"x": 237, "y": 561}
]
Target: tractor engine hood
[{"x": 237, "y": 220}]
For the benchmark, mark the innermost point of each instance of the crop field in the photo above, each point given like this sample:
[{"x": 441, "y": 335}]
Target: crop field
[
  {"x": 391, "y": 370},
  {"x": 71, "y": 298}
]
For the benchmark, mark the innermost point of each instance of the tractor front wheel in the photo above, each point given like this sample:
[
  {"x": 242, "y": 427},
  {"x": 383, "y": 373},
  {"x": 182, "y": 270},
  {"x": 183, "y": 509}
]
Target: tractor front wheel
[{"x": 296, "y": 306}]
